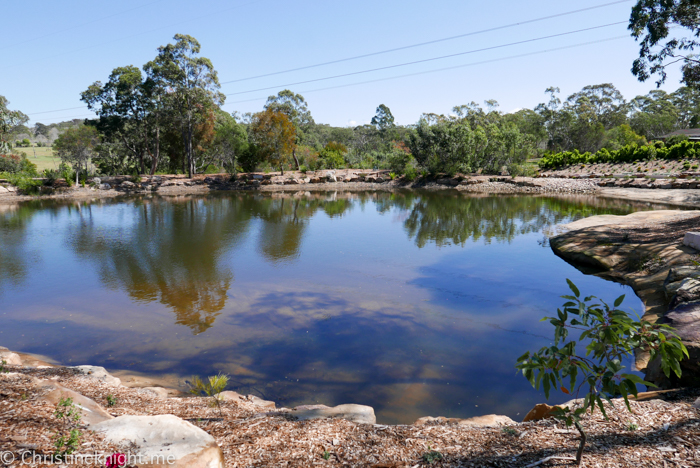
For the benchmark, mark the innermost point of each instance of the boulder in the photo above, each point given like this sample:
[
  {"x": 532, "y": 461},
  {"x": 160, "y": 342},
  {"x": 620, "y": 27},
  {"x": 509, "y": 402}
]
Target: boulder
[
  {"x": 315, "y": 180},
  {"x": 692, "y": 240},
  {"x": 540, "y": 411},
  {"x": 105, "y": 186},
  {"x": 250, "y": 399},
  {"x": 10, "y": 358},
  {"x": 163, "y": 441},
  {"x": 685, "y": 318},
  {"x": 330, "y": 176},
  {"x": 97, "y": 181},
  {"x": 92, "y": 413},
  {"x": 356, "y": 413},
  {"x": 489, "y": 420},
  {"x": 688, "y": 291},
  {"x": 159, "y": 392},
  {"x": 128, "y": 185},
  {"x": 3, "y": 189},
  {"x": 98, "y": 373}
]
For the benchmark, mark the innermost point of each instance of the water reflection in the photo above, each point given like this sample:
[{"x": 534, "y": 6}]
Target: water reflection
[
  {"x": 396, "y": 300},
  {"x": 14, "y": 256}
]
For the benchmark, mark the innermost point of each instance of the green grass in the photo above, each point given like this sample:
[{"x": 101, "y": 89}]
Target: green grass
[{"x": 42, "y": 156}]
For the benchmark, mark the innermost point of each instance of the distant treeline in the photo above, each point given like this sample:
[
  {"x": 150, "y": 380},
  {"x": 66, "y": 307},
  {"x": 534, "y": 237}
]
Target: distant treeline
[{"x": 167, "y": 117}]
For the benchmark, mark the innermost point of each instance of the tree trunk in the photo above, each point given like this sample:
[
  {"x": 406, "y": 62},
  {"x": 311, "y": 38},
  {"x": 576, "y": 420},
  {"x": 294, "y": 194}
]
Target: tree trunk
[
  {"x": 579, "y": 452},
  {"x": 296, "y": 161}
]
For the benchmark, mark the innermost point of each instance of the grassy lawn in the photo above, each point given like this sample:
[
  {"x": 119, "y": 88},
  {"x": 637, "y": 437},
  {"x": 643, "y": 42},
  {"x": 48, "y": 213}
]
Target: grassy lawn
[{"x": 43, "y": 157}]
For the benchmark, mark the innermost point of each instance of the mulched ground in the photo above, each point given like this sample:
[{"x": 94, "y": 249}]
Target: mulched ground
[{"x": 657, "y": 434}]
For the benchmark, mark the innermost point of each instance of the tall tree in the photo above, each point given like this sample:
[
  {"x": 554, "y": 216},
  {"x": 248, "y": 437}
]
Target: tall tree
[
  {"x": 296, "y": 109},
  {"x": 77, "y": 146},
  {"x": 274, "y": 136},
  {"x": 651, "y": 23},
  {"x": 193, "y": 88},
  {"x": 129, "y": 108},
  {"x": 8, "y": 120}
]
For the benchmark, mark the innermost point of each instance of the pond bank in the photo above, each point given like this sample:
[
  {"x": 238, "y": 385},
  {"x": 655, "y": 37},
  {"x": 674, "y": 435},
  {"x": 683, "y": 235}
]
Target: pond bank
[
  {"x": 645, "y": 250},
  {"x": 248, "y": 432}
]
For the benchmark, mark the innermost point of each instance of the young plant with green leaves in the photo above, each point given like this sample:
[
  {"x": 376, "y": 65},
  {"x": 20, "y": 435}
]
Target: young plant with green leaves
[
  {"x": 214, "y": 385},
  {"x": 609, "y": 336},
  {"x": 67, "y": 439}
]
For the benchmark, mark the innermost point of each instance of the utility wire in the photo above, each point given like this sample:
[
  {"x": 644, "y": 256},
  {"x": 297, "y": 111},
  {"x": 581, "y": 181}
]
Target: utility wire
[
  {"x": 78, "y": 25},
  {"x": 429, "y": 59},
  {"x": 474, "y": 33},
  {"x": 501, "y": 59},
  {"x": 57, "y": 110}
]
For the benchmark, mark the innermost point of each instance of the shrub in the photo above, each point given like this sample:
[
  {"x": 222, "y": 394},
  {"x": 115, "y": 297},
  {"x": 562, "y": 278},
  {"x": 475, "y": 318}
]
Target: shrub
[
  {"x": 214, "y": 385},
  {"x": 610, "y": 335},
  {"x": 67, "y": 440},
  {"x": 410, "y": 174},
  {"x": 24, "y": 182}
]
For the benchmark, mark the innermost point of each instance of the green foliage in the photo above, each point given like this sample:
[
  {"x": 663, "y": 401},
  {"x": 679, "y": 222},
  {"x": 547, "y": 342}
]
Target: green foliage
[
  {"x": 676, "y": 139},
  {"x": 410, "y": 173},
  {"x": 626, "y": 154},
  {"x": 431, "y": 456},
  {"x": 111, "y": 400},
  {"x": 326, "y": 455},
  {"x": 331, "y": 157},
  {"x": 214, "y": 385},
  {"x": 67, "y": 439},
  {"x": 24, "y": 182},
  {"x": 632, "y": 427},
  {"x": 3, "y": 363},
  {"x": 609, "y": 336}
]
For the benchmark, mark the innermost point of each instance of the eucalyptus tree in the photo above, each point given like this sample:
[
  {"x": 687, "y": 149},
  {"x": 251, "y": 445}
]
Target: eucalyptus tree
[
  {"x": 8, "y": 120},
  {"x": 129, "y": 107},
  {"x": 192, "y": 89},
  {"x": 667, "y": 31},
  {"x": 296, "y": 109},
  {"x": 654, "y": 115},
  {"x": 76, "y": 146}
]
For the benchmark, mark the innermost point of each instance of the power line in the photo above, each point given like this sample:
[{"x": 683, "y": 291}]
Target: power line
[
  {"x": 429, "y": 59},
  {"x": 497, "y": 28},
  {"x": 57, "y": 110},
  {"x": 79, "y": 25},
  {"x": 501, "y": 59}
]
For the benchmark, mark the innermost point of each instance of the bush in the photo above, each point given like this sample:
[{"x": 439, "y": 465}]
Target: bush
[
  {"x": 675, "y": 139},
  {"x": 24, "y": 182},
  {"x": 629, "y": 153},
  {"x": 609, "y": 336},
  {"x": 398, "y": 160},
  {"x": 410, "y": 173},
  {"x": 331, "y": 159},
  {"x": 50, "y": 175}
]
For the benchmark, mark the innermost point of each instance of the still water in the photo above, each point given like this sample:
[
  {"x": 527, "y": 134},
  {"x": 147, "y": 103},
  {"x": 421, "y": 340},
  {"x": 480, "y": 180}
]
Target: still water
[{"x": 415, "y": 303}]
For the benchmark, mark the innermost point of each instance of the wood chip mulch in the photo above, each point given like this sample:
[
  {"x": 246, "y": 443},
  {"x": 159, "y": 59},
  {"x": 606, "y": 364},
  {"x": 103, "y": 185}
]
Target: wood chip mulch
[{"x": 657, "y": 434}]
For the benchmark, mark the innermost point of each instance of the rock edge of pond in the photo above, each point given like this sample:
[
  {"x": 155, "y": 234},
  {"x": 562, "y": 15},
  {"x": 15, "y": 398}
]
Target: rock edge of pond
[{"x": 645, "y": 251}]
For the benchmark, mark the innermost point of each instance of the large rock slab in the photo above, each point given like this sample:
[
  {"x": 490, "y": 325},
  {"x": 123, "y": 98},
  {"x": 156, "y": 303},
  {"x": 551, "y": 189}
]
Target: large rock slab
[
  {"x": 360, "y": 414},
  {"x": 163, "y": 441},
  {"x": 489, "y": 420},
  {"x": 98, "y": 373},
  {"x": 253, "y": 400},
  {"x": 92, "y": 413}
]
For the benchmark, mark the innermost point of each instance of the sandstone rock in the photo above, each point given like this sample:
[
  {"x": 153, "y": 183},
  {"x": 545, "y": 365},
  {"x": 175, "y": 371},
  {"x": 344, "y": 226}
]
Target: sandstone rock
[
  {"x": 11, "y": 188},
  {"x": 92, "y": 413},
  {"x": 540, "y": 411},
  {"x": 160, "y": 392},
  {"x": 696, "y": 404},
  {"x": 685, "y": 318},
  {"x": 448, "y": 182},
  {"x": 357, "y": 413},
  {"x": 315, "y": 180},
  {"x": 692, "y": 240},
  {"x": 688, "y": 291},
  {"x": 250, "y": 399},
  {"x": 98, "y": 373},
  {"x": 128, "y": 185},
  {"x": 105, "y": 186},
  {"x": 97, "y": 181},
  {"x": 277, "y": 180},
  {"x": 330, "y": 176},
  {"x": 307, "y": 180},
  {"x": 3, "y": 189},
  {"x": 156, "y": 180},
  {"x": 488, "y": 420},
  {"x": 163, "y": 441},
  {"x": 10, "y": 358}
]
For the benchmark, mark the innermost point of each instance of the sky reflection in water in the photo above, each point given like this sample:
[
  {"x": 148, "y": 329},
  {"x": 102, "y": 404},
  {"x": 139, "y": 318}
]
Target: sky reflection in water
[{"x": 414, "y": 303}]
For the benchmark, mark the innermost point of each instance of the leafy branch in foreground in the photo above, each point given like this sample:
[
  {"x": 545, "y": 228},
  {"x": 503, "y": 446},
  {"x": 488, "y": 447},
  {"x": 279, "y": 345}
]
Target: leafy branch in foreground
[
  {"x": 609, "y": 335},
  {"x": 67, "y": 440}
]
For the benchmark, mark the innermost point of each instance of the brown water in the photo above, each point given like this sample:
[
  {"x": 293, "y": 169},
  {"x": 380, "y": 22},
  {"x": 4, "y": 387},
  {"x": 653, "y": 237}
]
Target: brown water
[{"x": 414, "y": 303}]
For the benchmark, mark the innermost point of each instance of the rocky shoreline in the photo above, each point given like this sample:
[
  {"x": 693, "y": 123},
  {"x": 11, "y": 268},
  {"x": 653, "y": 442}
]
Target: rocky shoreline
[{"x": 646, "y": 251}]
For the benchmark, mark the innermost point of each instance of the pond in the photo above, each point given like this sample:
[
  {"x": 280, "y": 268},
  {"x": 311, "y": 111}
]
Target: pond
[{"x": 415, "y": 303}]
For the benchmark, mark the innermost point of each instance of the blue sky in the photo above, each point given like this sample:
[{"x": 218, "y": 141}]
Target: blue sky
[{"x": 56, "y": 50}]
